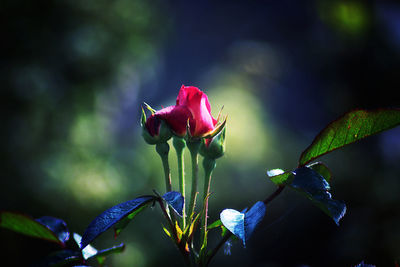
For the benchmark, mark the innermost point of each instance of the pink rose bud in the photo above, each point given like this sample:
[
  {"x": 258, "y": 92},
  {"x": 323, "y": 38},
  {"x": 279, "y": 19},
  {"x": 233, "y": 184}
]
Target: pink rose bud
[{"x": 192, "y": 109}]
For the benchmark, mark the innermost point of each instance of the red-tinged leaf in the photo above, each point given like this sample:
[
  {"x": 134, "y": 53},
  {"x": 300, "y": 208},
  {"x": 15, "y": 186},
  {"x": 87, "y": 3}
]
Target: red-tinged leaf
[
  {"x": 57, "y": 226},
  {"x": 28, "y": 226},
  {"x": 349, "y": 128}
]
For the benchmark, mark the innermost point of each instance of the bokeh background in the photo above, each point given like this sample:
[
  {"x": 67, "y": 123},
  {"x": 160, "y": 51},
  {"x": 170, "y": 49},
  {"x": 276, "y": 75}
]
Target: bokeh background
[{"x": 75, "y": 73}]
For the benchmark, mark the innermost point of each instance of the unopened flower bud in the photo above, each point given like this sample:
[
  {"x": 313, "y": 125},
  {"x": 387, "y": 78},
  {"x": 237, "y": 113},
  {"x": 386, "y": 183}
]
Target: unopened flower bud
[
  {"x": 154, "y": 130},
  {"x": 213, "y": 147}
]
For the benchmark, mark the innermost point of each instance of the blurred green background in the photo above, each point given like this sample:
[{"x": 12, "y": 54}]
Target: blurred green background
[{"x": 75, "y": 73}]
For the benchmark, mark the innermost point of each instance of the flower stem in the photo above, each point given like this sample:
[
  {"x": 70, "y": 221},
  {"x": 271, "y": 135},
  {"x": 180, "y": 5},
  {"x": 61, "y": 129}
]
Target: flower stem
[
  {"x": 163, "y": 150},
  {"x": 274, "y": 195},
  {"x": 193, "y": 146},
  {"x": 179, "y": 145},
  {"x": 208, "y": 165}
]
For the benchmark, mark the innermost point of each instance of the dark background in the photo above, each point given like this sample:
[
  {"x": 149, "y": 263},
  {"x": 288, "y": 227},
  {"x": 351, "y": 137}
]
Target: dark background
[{"x": 75, "y": 73}]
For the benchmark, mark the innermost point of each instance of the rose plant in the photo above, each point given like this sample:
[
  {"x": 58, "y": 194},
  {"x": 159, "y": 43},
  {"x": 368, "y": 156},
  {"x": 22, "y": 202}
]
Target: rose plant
[{"x": 190, "y": 124}]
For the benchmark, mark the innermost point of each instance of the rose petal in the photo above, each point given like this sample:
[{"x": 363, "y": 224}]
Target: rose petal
[
  {"x": 153, "y": 125},
  {"x": 197, "y": 102},
  {"x": 176, "y": 117}
]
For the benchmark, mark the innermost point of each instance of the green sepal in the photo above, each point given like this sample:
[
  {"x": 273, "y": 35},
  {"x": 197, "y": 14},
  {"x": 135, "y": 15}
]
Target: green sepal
[
  {"x": 163, "y": 136},
  {"x": 152, "y": 110},
  {"x": 143, "y": 118},
  {"x": 216, "y": 147},
  {"x": 216, "y": 130}
]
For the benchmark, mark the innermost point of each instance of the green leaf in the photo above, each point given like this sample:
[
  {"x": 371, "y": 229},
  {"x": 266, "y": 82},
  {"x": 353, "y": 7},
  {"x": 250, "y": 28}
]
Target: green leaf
[
  {"x": 349, "y": 128},
  {"x": 28, "y": 226},
  {"x": 279, "y": 177}
]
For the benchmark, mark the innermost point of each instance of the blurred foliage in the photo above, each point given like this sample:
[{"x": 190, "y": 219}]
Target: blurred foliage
[{"x": 75, "y": 73}]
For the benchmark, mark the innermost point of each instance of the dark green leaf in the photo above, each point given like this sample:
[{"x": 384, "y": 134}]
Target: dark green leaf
[
  {"x": 322, "y": 169},
  {"x": 112, "y": 216},
  {"x": 316, "y": 188},
  {"x": 175, "y": 201},
  {"x": 26, "y": 225},
  {"x": 242, "y": 224},
  {"x": 349, "y": 128},
  {"x": 57, "y": 226}
]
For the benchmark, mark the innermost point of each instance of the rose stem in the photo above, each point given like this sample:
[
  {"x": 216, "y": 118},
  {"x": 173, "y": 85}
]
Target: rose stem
[
  {"x": 208, "y": 165},
  {"x": 193, "y": 146},
  {"x": 163, "y": 150},
  {"x": 179, "y": 145}
]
